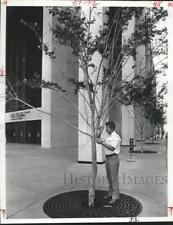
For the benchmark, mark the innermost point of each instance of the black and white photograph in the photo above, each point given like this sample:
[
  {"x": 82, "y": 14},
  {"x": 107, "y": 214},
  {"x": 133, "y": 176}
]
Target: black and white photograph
[{"x": 85, "y": 115}]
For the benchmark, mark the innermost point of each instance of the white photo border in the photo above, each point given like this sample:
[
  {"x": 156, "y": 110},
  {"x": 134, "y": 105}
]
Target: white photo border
[{"x": 170, "y": 108}]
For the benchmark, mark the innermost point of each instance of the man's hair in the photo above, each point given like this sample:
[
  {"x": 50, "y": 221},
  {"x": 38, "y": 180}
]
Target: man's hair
[{"x": 111, "y": 124}]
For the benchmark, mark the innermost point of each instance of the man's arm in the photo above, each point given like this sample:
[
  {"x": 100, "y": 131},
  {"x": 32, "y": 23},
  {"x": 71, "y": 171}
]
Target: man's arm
[
  {"x": 111, "y": 148},
  {"x": 102, "y": 142},
  {"x": 100, "y": 130},
  {"x": 108, "y": 146}
]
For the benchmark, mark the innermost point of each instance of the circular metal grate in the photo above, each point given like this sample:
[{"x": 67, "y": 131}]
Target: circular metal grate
[
  {"x": 145, "y": 151},
  {"x": 75, "y": 205},
  {"x": 151, "y": 143}
]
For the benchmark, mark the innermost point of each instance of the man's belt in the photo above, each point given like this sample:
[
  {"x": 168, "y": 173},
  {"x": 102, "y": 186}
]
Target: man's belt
[{"x": 108, "y": 156}]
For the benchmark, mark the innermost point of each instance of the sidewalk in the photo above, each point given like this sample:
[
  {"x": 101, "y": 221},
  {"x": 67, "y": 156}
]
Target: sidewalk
[{"x": 35, "y": 174}]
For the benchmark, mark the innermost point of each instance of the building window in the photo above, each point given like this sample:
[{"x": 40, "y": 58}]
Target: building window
[{"x": 23, "y": 57}]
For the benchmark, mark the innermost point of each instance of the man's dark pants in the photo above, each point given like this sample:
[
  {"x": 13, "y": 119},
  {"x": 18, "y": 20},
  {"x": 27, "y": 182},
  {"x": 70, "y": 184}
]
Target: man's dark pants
[{"x": 112, "y": 168}]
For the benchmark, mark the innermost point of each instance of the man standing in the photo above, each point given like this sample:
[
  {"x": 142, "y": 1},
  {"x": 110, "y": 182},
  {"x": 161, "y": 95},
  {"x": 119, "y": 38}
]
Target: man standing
[{"x": 111, "y": 145}]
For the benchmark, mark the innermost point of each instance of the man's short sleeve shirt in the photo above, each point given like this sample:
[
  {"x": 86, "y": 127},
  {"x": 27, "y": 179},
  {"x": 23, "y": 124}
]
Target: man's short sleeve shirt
[{"x": 114, "y": 140}]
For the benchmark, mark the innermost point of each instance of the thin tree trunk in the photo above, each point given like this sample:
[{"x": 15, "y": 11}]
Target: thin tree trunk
[
  {"x": 142, "y": 137},
  {"x": 142, "y": 146},
  {"x": 153, "y": 137},
  {"x": 94, "y": 163}
]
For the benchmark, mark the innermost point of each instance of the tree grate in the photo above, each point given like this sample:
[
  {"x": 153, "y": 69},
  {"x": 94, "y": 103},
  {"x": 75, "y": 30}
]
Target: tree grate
[
  {"x": 144, "y": 151},
  {"x": 75, "y": 205}
]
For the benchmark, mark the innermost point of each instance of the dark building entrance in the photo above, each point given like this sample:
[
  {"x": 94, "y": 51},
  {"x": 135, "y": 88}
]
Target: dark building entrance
[{"x": 24, "y": 132}]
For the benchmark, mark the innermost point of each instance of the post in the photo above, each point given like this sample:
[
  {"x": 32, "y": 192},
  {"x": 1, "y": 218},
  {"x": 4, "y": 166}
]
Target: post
[{"x": 131, "y": 148}]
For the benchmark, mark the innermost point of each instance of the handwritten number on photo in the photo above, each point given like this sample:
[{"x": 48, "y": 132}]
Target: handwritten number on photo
[
  {"x": 157, "y": 4},
  {"x": 4, "y": 2},
  {"x": 4, "y": 212},
  {"x": 134, "y": 219},
  {"x": 170, "y": 210},
  {"x": 2, "y": 71},
  {"x": 84, "y": 2}
]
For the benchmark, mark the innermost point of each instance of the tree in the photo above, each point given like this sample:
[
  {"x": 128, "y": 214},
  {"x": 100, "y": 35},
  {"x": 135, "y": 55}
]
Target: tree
[
  {"x": 141, "y": 93},
  {"x": 157, "y": 112},
  {"x": 74, "y": 28}
]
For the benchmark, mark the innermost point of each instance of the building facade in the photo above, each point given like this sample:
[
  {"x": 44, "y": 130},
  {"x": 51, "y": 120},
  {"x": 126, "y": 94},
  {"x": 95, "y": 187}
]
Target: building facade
[{"x": 47, "y": 122}]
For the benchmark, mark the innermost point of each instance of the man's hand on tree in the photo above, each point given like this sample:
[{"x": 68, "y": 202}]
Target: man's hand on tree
[
  {"x": 100, "y": 130},
  {"x": 100, "y": 141}
]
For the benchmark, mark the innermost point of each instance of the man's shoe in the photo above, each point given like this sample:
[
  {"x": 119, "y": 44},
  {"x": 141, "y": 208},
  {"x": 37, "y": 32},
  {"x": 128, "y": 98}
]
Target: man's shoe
[
  {"x": 112, "y": 201},
  {"x": 107, "y": 196}
]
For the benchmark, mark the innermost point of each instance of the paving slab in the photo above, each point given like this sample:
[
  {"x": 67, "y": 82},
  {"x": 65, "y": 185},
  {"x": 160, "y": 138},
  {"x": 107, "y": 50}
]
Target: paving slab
[{"x": 35, "y": 174}]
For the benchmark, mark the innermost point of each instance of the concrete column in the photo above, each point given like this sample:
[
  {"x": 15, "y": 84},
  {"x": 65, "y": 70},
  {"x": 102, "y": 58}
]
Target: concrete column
[
  {"x": 64, "y": 107},
  {"x": 46, "y": 75},
  {"x": 84, "y": 141},
  {"x": 128, "y": 117}
]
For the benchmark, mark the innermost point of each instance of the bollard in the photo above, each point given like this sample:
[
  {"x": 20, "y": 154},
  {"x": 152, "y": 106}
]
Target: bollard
[
  {"x": 131, "y": 148},
  {"x": 131, "y": 145}
]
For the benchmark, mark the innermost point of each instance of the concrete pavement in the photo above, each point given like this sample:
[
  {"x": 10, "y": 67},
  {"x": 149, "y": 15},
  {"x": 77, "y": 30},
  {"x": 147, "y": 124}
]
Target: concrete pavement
[{"x": 35, "y": 174}]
